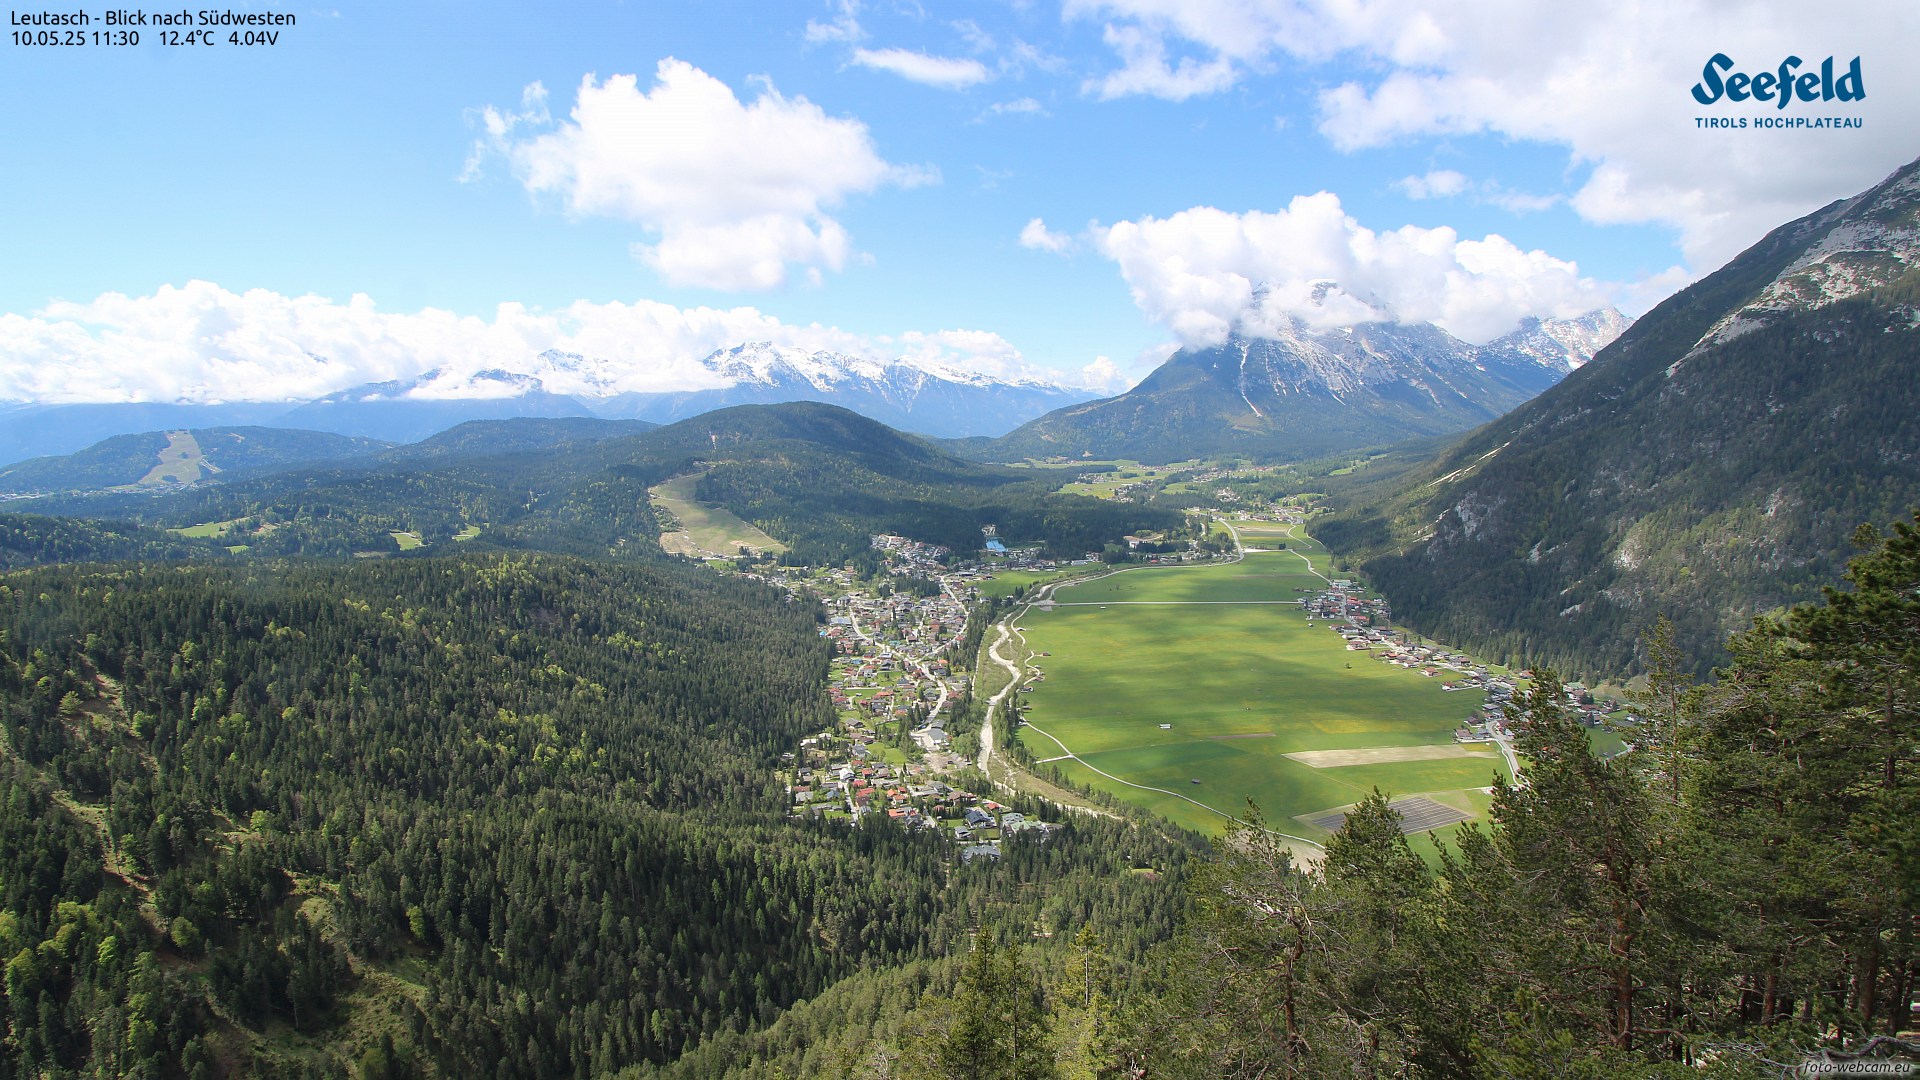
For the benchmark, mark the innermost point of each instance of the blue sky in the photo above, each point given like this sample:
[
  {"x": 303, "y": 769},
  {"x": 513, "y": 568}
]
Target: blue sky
[{"x": 196, "y": 222}]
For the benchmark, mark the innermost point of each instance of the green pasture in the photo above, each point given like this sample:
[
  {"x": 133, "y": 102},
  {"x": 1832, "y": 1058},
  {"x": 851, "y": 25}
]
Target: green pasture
[
  {"x": 180, "y": 462},
  {"x": 1209, "y": 670},
  {"x": 1260, "y": 576},
  {"x": 1005, "y": 582},
  {"x": 208, "y": 529},
  {"x": 705, "y": 528}
]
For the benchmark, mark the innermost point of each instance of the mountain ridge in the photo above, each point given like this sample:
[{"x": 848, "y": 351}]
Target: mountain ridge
[
  {"x": 1297, "y": 392},
  {"x": 906, "y": 392},
  {"x": 1687, "y": 470}
]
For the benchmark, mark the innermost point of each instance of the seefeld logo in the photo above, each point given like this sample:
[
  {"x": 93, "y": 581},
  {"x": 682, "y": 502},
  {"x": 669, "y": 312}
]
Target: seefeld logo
[{"x": 1780, "y": 86}]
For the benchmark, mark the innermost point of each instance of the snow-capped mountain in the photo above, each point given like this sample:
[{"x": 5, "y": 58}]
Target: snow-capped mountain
[
  {"x": 913, "y": 395},
  {"x": 1293, "y": 390},
  {"x": 1542, "y": 351}
]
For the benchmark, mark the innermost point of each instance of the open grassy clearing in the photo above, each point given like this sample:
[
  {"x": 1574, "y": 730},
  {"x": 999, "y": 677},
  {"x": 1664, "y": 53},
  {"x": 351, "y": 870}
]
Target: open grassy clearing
[
  {"x": 1124, "y": 473},
  {"x": 208, "y": 530},
  {"x": 408, "y": 540},
  {"x": 705, "y": 530},
  {"x": 1210, "y": 669},
  {"x": 181, "y": 462}
]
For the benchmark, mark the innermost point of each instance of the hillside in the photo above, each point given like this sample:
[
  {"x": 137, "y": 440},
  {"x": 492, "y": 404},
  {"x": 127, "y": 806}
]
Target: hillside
[
  {"x": 164, "y": 459},
  {"x": 1296, "y": 393},
  {"x": 819, "y": 478},
  {"x": 1705, "y": 466},
  {"x": 35, "y": 539},
  {"x": 518, "y": 435},
  {"x": 496, "y": 815}
]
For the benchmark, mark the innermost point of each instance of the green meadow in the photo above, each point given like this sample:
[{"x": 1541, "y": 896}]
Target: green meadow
[
  {"x": 706, "y": 529},
  {"x": 1238, "y": 686},
  {"x": 1006, "y": 582}
]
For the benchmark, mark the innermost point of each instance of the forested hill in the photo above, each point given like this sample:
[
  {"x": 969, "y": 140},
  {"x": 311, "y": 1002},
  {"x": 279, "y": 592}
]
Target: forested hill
[
  {"x": 495, "y": 815},
  {"x": 817, "y": 477},
  {"x": 163, "y": 459},
  {"x": 33, "y": 539},
  {"x": 1706, "y": 466}
]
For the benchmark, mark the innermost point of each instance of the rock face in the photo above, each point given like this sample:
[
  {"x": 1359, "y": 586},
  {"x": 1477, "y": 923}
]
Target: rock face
[
  {"x": 1296, "y": 392},
  {"x": 1709, "y": 465}
]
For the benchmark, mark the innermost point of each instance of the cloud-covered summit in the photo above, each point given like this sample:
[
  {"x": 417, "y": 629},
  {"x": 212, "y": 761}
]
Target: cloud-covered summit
[
  {"x": 202, "y": 343},
  {"x": 1206, "y": 273}
]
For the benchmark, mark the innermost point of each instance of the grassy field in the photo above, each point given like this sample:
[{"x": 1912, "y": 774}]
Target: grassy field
[
  {"x": 1125, "y": 472},
  {"x": 1238, "y": 686},
  {"x": 208, "y": 529},
  {"x": 706, "y": 530},
  {"x": 1005, "y": 582},
  {"x": 179, "y": 463}
]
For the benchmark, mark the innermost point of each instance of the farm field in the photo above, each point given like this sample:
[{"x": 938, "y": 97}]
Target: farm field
[
  {"x": 705, "y": 530},
  {"x": 1006, "y": 581},
  {"x": 1239, "y": 685},
  {"x": 1125, "y": 472}
]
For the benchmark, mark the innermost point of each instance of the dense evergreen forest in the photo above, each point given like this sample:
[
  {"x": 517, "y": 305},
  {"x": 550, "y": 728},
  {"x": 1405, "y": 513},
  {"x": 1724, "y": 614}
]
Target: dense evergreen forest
[
  {"x": 34, "y": 539},
  {"x": 490, "y": 815}
]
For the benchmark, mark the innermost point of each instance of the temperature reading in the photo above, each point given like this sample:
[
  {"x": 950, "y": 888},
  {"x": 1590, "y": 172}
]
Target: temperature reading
[{"x": 171, "y": 29}]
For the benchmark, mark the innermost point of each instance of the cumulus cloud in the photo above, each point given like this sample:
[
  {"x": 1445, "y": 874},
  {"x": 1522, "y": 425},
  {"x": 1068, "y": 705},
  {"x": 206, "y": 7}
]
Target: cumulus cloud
[
  {"x": 203, "y": 343},
  {"x": 1205, "y": 273},
  {"x": 1607, "y": 82},
  {"x": 1105, "y": 375},
  {"x": 1038, "y": 237},
  {"x": 735, "y": 193},
  {"x": 942, "y": 72}
]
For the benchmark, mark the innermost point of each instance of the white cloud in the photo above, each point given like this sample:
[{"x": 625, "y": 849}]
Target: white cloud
[
  {"x": 1446, "y": 183},
  {"x": 1437, "y": 184},
  {"x": 1104, "y": 375},
  {"x": 1038, "y": 237},
  {"x": 845, "y": 25},
  {"x": 199, "y": 342},
  {"x": 1205, "y": 272},
  {"x": 1607, "y": 82},
  {"x": 1025, "y": 106},
  {"x": 943, "y": 72},
  {"x": 1147, "y": 71},
  {"x": 735, "y": 193}
]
